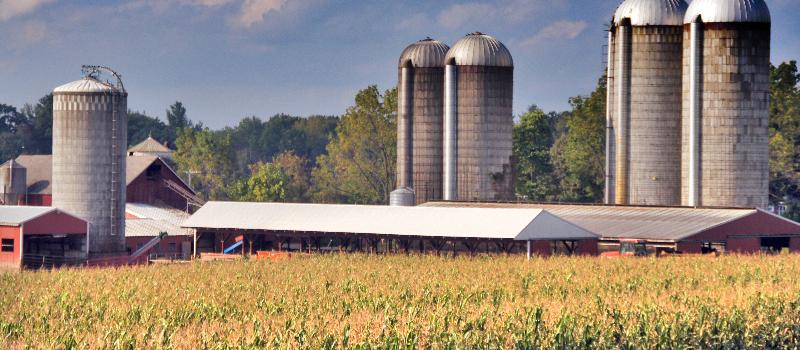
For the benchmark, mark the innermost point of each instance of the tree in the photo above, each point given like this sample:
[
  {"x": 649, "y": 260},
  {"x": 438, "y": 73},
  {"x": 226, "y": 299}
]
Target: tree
[
  {"x": 784, "y": 136},
  {"x": 359, "y": 166},
  {"x": 534, "y": 136},
  {"x": 578, "y": 153},
  {"x": 140, "y": 126},
  {"x": 176, "y": 116},
  {"x": 267, "y": 183},
  {"x": 298, "y": 177},
  {"x": 206, "y": 158}
]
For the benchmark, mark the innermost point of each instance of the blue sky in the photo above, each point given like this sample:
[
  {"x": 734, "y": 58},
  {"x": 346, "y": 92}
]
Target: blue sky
[{"x": 227, "y": 59}]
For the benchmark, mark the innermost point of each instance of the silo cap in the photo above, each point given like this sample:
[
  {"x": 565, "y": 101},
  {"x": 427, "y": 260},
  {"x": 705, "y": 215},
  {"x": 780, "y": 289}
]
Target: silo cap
[
  {"x": 478, "y": 49},
  {"x": 651, "y": 12},
  {"x": 424, "y": 53},
  {"x": 87, "y": 84},
  {"x": 728, "y": 11}
]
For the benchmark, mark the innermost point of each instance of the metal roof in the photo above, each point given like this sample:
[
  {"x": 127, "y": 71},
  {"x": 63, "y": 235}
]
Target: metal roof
[
  {"x": 613, "y": 222},
  {"x": 150, "y": 145},
  {"x": 728, "y": 11},
  {"x": 424, "y": 53},
  {"x": 86, "y": 84},
  {"x": 652, "y": 12},
  {"x": 151, "y": 220},
  {"x": 478, "y": 49},
  {"x": 14, "y": 215},
  {"x": 39, "y": 170},
  {"x": 518, "y": 223}
]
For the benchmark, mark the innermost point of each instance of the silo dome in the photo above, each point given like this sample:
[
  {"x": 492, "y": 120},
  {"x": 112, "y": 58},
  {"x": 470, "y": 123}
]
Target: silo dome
[
  {"x": 424, "y": 53},
  {"x": 87, "y": 84},
  {"x": 652, "y": 12},
  {"x": 728, "y": 11},
  {"x": 478, "y": 49}
]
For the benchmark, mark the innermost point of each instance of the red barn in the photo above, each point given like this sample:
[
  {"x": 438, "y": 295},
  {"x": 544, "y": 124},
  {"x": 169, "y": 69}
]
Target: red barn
[{"x": 41, "y": 237}]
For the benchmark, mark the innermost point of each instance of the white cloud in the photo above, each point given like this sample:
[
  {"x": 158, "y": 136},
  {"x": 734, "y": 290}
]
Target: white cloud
[
  {"x": 33, "y": 32},
  {"x": 457, "y": 15},
  {"x": 253, "y": 11},
  {"x": 13, "y": 8},
  {"x": 561, "y": 30}
]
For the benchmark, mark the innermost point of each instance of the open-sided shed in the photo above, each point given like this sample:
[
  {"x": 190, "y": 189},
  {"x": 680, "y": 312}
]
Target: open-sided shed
[{"x": 266, "y": 226}]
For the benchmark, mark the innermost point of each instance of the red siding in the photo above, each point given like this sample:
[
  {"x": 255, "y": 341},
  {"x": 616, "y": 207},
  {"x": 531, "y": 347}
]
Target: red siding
[
  {"x": 588, "y": 247},
  {"x": 690, "y": 247},
  {"x": 794, "y": 244},
  {"x": 151, "y": 190},
  {"x": 541, "y": 248},
  {"x": 744, "y": 245},
  {"x": 55, "y": 223},
  {"x": 758, "y": 224},
  {"x": 39, "y": 200},
  {"x": 10, "y": 259}
]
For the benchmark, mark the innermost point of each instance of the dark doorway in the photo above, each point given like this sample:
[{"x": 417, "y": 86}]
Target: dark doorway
[{"x": 774, "y": 244}]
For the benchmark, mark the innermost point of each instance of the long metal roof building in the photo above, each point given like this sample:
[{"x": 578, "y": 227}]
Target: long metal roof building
[{"x": 462, "y": 223}]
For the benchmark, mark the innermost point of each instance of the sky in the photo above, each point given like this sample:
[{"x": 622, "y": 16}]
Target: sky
[{"x": 229, "y": 59}]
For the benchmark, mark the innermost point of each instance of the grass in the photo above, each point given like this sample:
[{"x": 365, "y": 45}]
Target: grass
[{"x": 399, "y": 302}]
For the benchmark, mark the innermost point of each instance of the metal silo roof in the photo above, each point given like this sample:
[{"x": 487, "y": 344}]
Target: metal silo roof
[
  {"x": 86, "y": 84},
  {"x": 478, "y": 49},
  {"x": 728, "y": 11},
  {"x": 652, "y": 12},
  {"x": 425, "y": 53}
]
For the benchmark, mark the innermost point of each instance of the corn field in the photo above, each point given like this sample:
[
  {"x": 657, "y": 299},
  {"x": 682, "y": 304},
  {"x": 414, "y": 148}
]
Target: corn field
[{"x": 410, "y": 302}]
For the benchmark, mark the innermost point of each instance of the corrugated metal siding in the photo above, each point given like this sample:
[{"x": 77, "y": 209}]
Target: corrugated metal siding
[
  {"x": 12, "y": 215},
  {"x": 724, "y": 11}
]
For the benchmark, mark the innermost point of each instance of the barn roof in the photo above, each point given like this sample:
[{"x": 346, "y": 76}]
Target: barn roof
[
  {"x": 151, "y": 220},
  {"x": 632, "y": 222},
  {"x": 39, "y": 169},
  {"x": 13, "y": 215},
  {"x": 519, "y": 224},
  {"x": 149, "y": 145}
]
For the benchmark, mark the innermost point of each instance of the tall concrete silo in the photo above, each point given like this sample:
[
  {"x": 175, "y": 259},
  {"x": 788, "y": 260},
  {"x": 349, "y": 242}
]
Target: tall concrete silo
[
  {"x": 420, "y": 91},
  {"x": 13, "y": 183},
  {"x": 726, "y": 49},
  {"x": 89, "y": 150},
  {"x": 644, "y": 87},
  {"x": 478, "y": 120}
]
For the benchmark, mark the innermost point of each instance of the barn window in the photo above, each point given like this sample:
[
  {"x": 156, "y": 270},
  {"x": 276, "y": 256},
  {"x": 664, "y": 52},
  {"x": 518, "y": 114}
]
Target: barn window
[
  {"x": 8, "y": 245},
  {"x": 153, "y": 171}
]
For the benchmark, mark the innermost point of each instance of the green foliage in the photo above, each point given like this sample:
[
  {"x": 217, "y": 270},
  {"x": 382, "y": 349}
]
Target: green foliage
[
  {"x": 267, "y": 183},
  {"x": 359, "y": 166},
  {"x": 784, "y": 136},
  {"x": 140, "y": 126},
  {"x": 205, "y": 157},
  {"x": 534, "y": 136},
  {"x": 578, "y": 153}
]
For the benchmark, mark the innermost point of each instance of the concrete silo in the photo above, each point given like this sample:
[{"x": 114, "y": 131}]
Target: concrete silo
[
  {"x": 478, "y": 120},
  {"x": 726, "y": 49},
  {"x": 644, "y": 99},
  {"x": 89, "y": 150},
  {"x": 13, "y": 183},
  {"x": 420, "y": 92}
]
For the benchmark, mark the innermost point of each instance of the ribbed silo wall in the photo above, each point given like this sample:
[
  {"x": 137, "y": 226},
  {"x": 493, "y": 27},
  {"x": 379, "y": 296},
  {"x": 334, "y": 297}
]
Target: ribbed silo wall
[
  {"x": 405, "y": 101},
  {"x": 622, "y": 109},
  {"x": 655, "y": 115},
  {"x": 610, "y": 179},
  {"x": 428, "y": 112},
  {"x": 88, "y": 168},
  {"x": 485, "y": 126},
  {"x": 734, "y": 153}
]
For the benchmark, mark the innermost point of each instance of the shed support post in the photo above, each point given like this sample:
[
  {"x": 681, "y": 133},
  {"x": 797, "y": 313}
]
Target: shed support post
[{"x": 529, "y": 249}]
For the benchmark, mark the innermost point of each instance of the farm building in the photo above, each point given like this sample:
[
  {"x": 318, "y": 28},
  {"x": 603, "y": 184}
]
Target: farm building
[
  {"x": 144, "y": 222},
  {"x": 150, "y": 147},
  {"x": 41, "y": 236},
  {"x": 684, "y": 229},
  {"x": 149, "y": 179},
  {"x": 246, "y": 228}
]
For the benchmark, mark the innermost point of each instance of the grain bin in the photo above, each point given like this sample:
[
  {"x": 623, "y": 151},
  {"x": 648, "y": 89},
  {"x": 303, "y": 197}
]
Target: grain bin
[
  {"x": 13, "y": 183},
  {"x": 89, "y": 144},
  {"x": 726, "y": 103},
  {"x": 478, "y": 120},
  {"x": 644, "y": 95},
  {"x": 419, "y": 122}
]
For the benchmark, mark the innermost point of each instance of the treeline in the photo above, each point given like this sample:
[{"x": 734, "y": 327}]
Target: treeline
[{"x": 560, "y": 156}]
